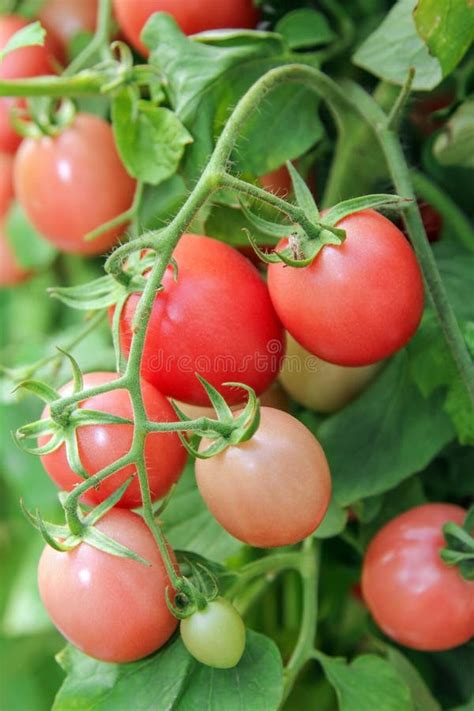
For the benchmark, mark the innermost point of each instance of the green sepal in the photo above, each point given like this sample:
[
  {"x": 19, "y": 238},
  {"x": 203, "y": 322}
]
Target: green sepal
[
  {"x": 49, "y": 531},
  {"x": 41, "y": 390},
  {"x": 97, "y": 539},
  {"x": 303, "y": 196},
  {"x": 51, "y": 446},
  {"x": 266, "y": 257},
  {"x": 459, "y": 549},
  {"x": 367, "y": 202},
  {"x": 223, "y": 411},
  {"x": 73, "y": 456},
  {"x": 272, "y": 229},
  {"x": 39, "y": 428},
  {"x": 161, "y": 506},
  {"x": 216, "y": 447},
  {"x": 182, "y": 416},
  {"x": 78, "y": 380},
  {"x": 96, "y": 514},
  {"x": 28, "y": 36},
  {"x": 82, "y": 416},
  {"x": 247, "y": 423},
  {"x": 116, "y": 318},
  {"x": 98, "y": 294}
]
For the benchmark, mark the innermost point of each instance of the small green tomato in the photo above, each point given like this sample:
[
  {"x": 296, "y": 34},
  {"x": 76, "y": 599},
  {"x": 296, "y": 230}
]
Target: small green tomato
[{"x": 215, "y": 635}]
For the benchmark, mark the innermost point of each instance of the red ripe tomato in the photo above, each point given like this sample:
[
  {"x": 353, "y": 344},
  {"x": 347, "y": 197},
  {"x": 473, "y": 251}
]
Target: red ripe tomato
[
  {"x": 72, "y": 183},
  {"x": 416, "y": 599},
  {"x": 216, "y": 319},
  {"x": 272, "y": 490},
  {"x": 111, "y": 608},
  {"x": 432, "y": 221},
  {"x": 100, "y": 445},
  {"x": 191, "y": 15},
  {"x": 6, "y": 182},
  {"x": 357, "y": 303},
  {"x": 278, "y": 181},
  {"x": 65, "y": 18},
  {"x": 23, "y": 62}
]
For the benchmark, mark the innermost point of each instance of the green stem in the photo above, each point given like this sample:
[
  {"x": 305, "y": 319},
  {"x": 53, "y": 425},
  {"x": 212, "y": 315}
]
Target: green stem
[
  {"x": 303, "y": 651},
  {"x": 459, "y": 226},
  {"x": 98, "y": 43},
  {"x": 87, "y": 83},
  {"x": 270, "y": 566},
  {"x": 119, "y": 219}
]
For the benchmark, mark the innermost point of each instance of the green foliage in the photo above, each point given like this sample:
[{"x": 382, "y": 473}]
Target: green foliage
[
  {"x": 447, "y": 28},
  {"x": 454, "y": 145},
  {"x": 395, "y": 47},
  {"x": 206, "y": 78},
  {"x": 32, "y": 249},
  {"x": 173, "y": 679},
  {"x": 150, "y": 139},
  {"x": 28, "y": 36}
]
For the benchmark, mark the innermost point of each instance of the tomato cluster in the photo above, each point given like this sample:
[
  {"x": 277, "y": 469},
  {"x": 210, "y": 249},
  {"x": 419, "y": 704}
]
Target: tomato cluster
[{"x": 215, "y": 315}]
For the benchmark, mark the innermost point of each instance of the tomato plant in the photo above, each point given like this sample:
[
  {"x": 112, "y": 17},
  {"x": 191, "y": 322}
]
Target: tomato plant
[
  {"x": 99, "y": 445},
  {"x": 215, "y": 635},
  {"x": 287, "y": 548},
  {"x": 192, "y": 16},
  {"x": 55, "y": 176},
  {"x": 181, "y": 340},
  {"x": 338, "y": 308},
  {"x": 272, "y": 490},
  {"x": 23, "y": 62},
  {"x": 414, "y": 596},
  {"x": 120, "y": 613}
]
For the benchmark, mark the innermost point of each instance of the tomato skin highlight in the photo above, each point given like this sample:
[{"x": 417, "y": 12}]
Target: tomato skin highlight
[
  {"x": 216, "y": 319},
  {"x": 356, "y": 303},
  {"x": 416, "y": 598},
  {"x": 113, "y": 609},
  {"x": 192, "y": 16},
  {"x": 24, "y": 62},
  {"x": 272, "y": 490},
  {"x": 100, "y": 445},
  {"x": 215, "y": 636},
  {"x": 71, "y": 183},
  {"x": 319, "y": 385}
]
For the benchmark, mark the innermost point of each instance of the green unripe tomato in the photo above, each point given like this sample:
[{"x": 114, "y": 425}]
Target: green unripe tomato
[{"x": 215, "y": 636}]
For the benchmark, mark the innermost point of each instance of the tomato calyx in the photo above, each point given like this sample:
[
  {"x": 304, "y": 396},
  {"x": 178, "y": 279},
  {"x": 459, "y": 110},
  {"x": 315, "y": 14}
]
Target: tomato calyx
[
  {"x": 227, "y": 429},
  {"x": 308, "y": 234},
  {"x": 459, "y": 549},
  {"x": 66, "y": 537}
]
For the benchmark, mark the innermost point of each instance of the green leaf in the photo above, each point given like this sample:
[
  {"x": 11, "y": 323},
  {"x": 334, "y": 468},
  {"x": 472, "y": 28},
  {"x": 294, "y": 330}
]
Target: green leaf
[
  {"x": 303, "y": 195},
  {"x": 30, "y": 247},
  {"x": 150, "y": 139},
  {"x": 230, "y": 225},
  {"x": 206, "y": 76},
  {"x": 334, "y": 522},
  {"x": 395, "y": 47},
  {"x": 172, "y": 679},
  {"x": 28, "y": 36},
  {"x": 188, "y": 525},
  {"x": 368, "y": 683},
  {"x": 431, "y": 364},
  {"x": 390, "y": 432},
  {"x": 304, "y": 28},
  {"x": 447, "y": 28},
  {"x": 421, "y": 696},
  {"x": 454, "y": 145}
]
